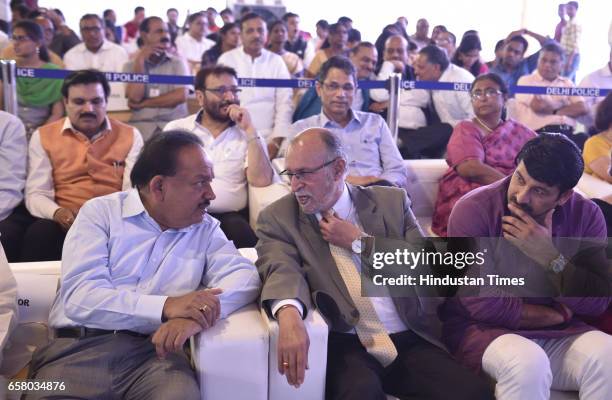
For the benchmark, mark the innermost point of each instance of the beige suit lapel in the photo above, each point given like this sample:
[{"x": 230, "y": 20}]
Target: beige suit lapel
[{"x": 367, "y": 211}]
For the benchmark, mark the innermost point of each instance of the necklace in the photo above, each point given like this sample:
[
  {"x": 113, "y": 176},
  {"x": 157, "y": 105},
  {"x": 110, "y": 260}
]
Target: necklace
[{"x": 485, "y": 125}]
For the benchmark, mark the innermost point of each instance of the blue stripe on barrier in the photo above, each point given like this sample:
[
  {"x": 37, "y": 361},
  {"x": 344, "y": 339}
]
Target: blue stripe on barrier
[{"x": 306, "y": 83}]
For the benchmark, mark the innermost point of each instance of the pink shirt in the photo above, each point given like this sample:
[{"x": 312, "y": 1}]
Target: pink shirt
[{"x": 535, "y": 121}]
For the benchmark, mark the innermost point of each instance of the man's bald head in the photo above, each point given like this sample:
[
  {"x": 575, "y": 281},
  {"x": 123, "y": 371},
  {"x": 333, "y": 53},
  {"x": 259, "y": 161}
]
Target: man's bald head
[{"x": 319, "y": 141}]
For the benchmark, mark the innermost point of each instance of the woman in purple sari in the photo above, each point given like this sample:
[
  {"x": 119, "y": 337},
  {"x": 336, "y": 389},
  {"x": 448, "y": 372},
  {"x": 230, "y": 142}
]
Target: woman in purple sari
[{"x": 480, "y": 151}]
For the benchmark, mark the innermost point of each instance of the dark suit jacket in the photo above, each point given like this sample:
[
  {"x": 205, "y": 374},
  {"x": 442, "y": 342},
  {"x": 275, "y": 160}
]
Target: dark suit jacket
[{"x": 295, "y": 262}]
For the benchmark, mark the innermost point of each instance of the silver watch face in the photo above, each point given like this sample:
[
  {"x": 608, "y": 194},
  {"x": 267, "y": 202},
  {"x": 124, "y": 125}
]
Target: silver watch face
[
  {"x": 558, "y": 264},
  {"x": 356, "y": 246}
]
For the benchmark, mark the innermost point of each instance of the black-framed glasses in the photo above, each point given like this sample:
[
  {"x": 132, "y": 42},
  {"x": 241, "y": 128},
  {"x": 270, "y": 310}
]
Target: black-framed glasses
[
  {"x": 220, "y": 91},
  {"x": 333, "y": 87},
  {"x": 488, "y": 93},
  {"x": 303, "y": 174}
]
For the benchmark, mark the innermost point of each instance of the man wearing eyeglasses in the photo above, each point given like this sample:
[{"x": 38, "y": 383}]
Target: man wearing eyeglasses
[
  {"x": 237, "y": 150},
  {"x": 96, "y": 52},
  {"x": 309, "y": 253},
  {"x": 373, "y": 157}
]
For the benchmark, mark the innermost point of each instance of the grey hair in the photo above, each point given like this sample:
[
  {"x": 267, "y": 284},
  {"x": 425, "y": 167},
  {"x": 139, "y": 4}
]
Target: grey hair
[{"x": 333, "y": 145}]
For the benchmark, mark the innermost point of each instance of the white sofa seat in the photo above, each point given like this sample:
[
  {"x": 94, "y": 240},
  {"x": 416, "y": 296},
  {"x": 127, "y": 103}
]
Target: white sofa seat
[
  {"x": 231, "y": 358},
  {"x": 262, "y": 197},
  {"x": 423, "y": 183},
  {"x": 313, "y": 387},
  {"x": 594, "y": 188}
]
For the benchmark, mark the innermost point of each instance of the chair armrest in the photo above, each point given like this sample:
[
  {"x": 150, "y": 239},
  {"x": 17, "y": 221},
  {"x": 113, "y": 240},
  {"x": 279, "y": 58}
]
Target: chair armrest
[
  {"x": 595, "y": 188},
  {"x": 313, "y": 387},
  {"x": 231, "y": 358},
  {"x": 423, "y": 182},
  {"x": 261, "y": 197}
]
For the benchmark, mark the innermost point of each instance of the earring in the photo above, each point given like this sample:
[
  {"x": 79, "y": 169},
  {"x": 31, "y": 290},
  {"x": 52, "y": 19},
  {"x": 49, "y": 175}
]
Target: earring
[{"x": 38, "y": 50}]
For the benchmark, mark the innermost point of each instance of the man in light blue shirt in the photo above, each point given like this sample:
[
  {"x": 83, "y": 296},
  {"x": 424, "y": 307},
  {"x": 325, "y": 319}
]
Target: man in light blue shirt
[
  {"x": 513, "y": 63},
  {"x": 14, "y": 218},
  {"x": 373, "y": 157},
  {"x": 142, "y": 271}
]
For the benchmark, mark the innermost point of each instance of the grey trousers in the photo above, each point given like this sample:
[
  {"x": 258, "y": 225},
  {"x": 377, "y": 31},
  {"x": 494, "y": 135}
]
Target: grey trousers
[{"x": 114, "y": 366}]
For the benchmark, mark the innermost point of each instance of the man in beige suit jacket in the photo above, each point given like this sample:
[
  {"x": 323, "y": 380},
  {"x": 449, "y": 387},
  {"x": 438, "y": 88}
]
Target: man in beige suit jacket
[{"x": 299, "y": 274}]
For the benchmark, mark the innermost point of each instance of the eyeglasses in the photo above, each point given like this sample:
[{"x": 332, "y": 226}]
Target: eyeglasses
[
  {"x": 488, "y": 93},
  {"x": 220, "y": 91},
  {"x": 21, "y": 39},
  {"x": 332, "y": 87},
  {"x": 89, "y": 29},
  {"x": 303, "y": 174}
]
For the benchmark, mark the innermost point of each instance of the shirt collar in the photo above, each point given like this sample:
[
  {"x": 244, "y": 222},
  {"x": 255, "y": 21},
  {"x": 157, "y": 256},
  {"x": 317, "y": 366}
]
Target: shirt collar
[
  {"x": 343, "y": 206},
  {"x": 68, "y": 127},
  {"x": 132, "y": 205},
  {"x": 557, "y": 80},
  {"x": 199, "y": 116},
  {"x": 105, "y": 46},
  {"x": 324, "y": 120},
  {"x": 163, "y": 60},
  {"x": 246, "y": 55}
]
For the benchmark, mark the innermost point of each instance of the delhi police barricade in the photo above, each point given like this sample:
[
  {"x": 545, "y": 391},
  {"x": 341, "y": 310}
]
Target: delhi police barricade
[{"x": 394, "y": 85}]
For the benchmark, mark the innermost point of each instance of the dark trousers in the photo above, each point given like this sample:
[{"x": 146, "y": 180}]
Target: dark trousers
[
  {"x": 426, "y": 142},
  {"x": 114, "y": 366},
  {"x": 43, "y": 241},
  {"x": 12, "y": 231},
  {"x": 420, "y": 371},
  {"x": 236, "y": 227}
]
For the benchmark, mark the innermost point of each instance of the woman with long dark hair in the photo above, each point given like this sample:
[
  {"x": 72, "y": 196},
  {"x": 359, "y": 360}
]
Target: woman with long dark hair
[
  {"x": 277, "y": 37},
  {"x": 337, "y": 40},
  {"x": 468, "y": 55},
  {"x": 39, "y": 100},
  {"x": 229, "y": 39}
]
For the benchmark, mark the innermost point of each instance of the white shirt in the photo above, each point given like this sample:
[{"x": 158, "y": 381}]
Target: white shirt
[
  {"x": 228, "y": 153},
  {"x": 384, "y": 306},
  {"x": 602, "y": 78},
  {"x": 309, "y": 54},
  {"x": 109, "y": 58},
  {"x": 192, "y": 49},
  {"x": 4, "y": 40},
  {"x": 8, "y": 302},
  {"x": 271, "y": 108},
  {"x": 13, "y": 158},
  {"x": 411, "y": 115},
  {"x": 120, "y": 267},
  {"x": 40, "y": 189},
  {"x": 453, "y": 106}
]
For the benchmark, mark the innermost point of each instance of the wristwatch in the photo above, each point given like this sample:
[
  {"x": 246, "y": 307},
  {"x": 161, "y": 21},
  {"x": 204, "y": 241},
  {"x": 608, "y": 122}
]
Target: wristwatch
[
  {"x": 558, "y": 264},
  {"x": 356, "y": 244}
]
